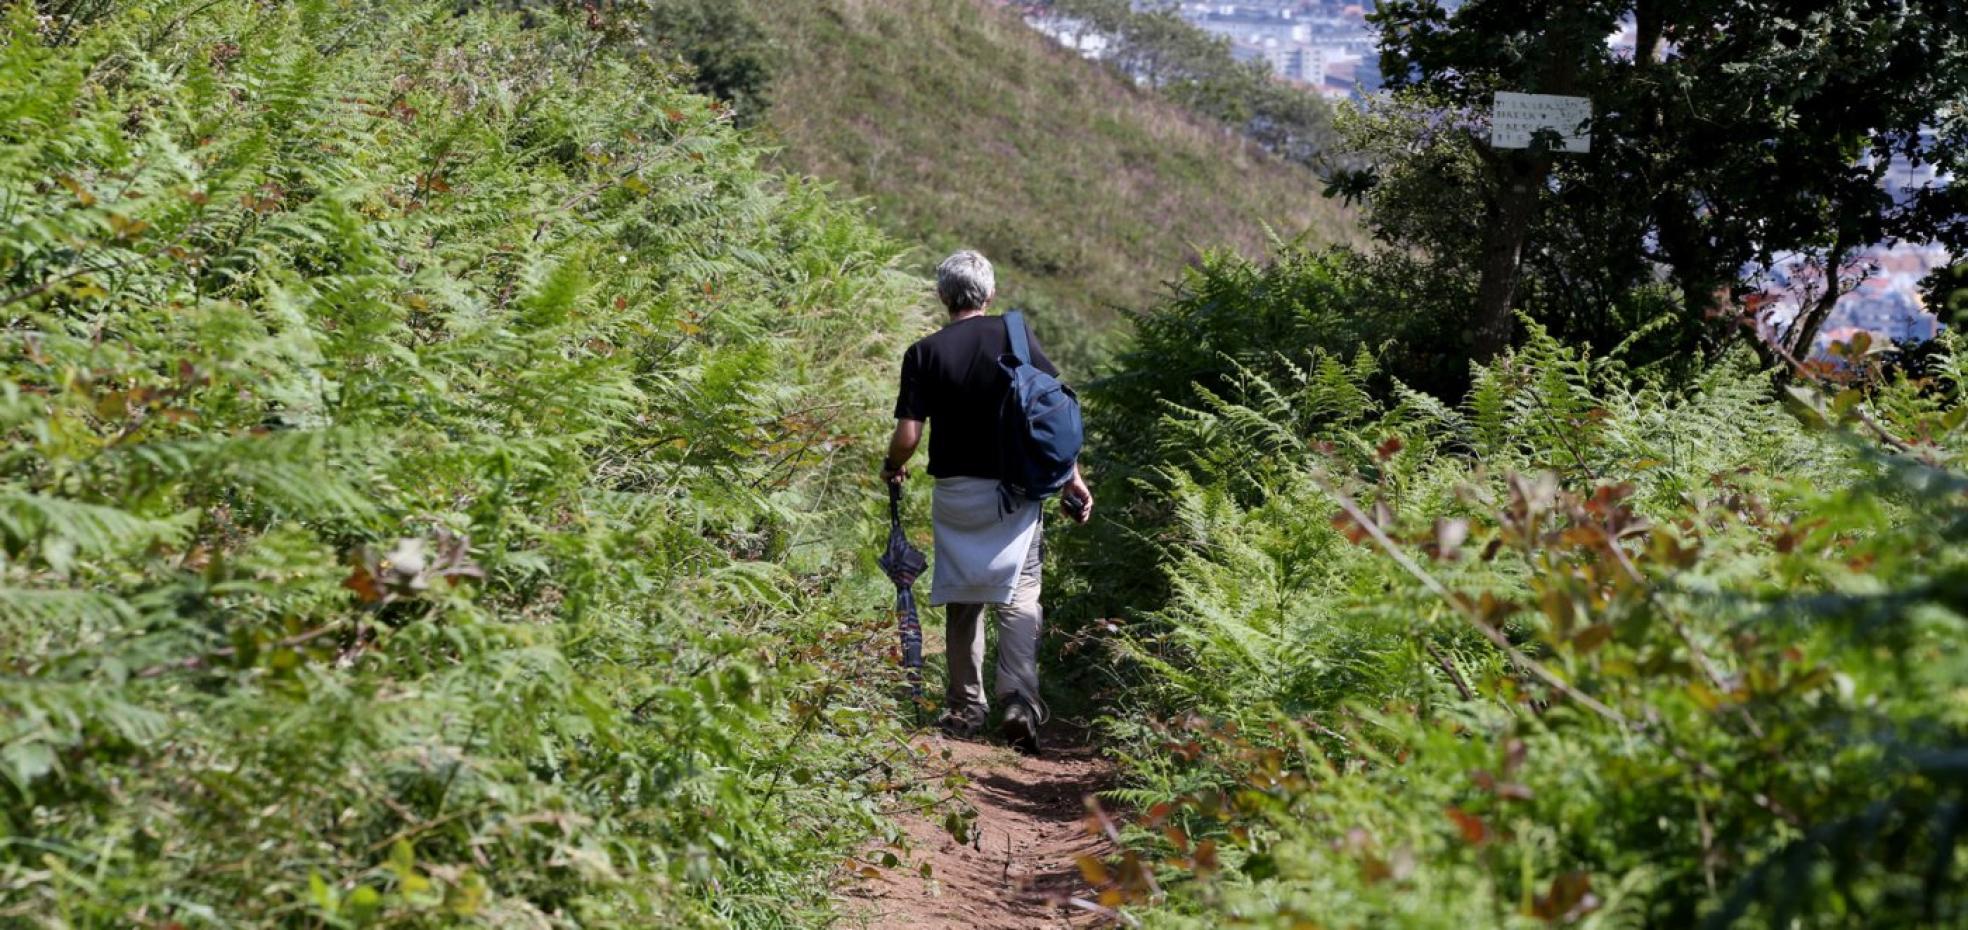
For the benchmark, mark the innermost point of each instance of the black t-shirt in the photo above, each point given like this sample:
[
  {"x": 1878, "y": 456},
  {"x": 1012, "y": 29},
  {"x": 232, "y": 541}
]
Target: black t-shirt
[{"x": 951, "y": 379}]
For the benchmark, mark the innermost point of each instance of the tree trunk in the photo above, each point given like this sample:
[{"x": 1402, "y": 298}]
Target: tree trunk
[
  {"x": 1803, "y": 334},
  {"x": 1520, "y": 177},
  {"x": 1503, "y": 250},
  {"x": 1647, "y": 35}
]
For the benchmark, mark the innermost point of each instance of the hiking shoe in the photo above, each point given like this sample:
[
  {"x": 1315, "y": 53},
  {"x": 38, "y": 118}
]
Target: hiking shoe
[
  {"x": 1020, "y": 726},
  {"x": 961, "y": 722}
]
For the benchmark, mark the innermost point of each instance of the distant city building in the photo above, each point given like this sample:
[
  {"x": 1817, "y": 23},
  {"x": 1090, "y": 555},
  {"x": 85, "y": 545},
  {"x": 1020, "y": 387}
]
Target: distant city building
[
  {"x": 1885, "y": 301},
  {"x": 1318, "y": 43},
  {"x": 1075, "y": 34},
  {"x": 1323, "y": 44},
  {"x": 1273, "y": 31},
  {"x": 1304, "y": 63}
]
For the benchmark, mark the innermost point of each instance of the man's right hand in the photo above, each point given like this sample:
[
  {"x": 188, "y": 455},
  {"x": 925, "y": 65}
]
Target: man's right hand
[{"x": 901, "y": 447}]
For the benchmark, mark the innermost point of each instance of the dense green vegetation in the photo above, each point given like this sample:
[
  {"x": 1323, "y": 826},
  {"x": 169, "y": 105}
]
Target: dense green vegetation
[
  {"x": 1595, "y": 645},
  {"x": 425, "y": 443},
  {"x": 965, "y": 128},
  {"x": 729, "y": 53}
]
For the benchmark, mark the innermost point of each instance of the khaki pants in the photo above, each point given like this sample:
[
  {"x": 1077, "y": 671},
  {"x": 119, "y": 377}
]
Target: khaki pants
[{"x": 1019, "y": 623}]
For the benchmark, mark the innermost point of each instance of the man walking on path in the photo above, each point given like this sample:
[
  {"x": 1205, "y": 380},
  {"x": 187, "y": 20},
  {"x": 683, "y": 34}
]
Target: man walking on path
[{"x": 988, "y": 546}]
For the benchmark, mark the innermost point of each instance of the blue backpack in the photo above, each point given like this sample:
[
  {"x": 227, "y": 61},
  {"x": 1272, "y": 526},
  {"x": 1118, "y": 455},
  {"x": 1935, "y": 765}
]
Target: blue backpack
[{"x": 1040, "y": 421}]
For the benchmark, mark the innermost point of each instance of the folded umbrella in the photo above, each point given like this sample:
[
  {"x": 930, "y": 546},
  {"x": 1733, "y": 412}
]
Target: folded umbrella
[{"x": 904, "y": 563}]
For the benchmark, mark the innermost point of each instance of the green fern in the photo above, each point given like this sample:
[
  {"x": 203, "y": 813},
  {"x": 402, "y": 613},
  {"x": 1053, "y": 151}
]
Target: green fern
[
  {"x": 401, "y": 474},
  {"x": 1725, "y": 695}
]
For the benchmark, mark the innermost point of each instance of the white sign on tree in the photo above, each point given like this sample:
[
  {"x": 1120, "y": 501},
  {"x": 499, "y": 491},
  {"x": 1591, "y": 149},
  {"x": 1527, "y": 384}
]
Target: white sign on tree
[{"x": 1517, "y": 118}]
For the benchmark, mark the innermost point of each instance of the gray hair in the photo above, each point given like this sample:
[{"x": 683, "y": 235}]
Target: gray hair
[{"x": 965, "y": 281}]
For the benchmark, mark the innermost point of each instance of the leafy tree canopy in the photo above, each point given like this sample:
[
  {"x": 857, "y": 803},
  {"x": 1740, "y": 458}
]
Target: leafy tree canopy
[{"x": 1732, "y": 134}]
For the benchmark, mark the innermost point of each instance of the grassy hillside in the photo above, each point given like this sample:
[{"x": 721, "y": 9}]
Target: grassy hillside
[{"x": 966, "y": 128}]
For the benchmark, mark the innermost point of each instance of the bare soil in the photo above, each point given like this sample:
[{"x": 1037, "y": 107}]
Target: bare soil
[{"x": 1020, "y": 869}]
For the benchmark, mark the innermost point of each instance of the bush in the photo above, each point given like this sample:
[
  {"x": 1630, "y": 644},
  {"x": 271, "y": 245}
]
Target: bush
[
  {"x": 422, "y": 436},
  {"x": 1592, "y": 648},
  {"x": 1324, "y": 314},
  {"x": 728, "y": 51}
]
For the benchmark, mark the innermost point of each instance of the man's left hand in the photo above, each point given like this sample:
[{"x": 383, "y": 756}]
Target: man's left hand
[{"x": 1077, "y": 491}]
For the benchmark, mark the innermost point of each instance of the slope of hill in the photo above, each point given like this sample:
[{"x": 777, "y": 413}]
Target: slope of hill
[
  {"x": 422, "y": 490},
  {"x": 964, "y": 127}
]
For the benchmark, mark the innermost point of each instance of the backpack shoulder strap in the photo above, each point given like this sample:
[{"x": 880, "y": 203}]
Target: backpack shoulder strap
[{"x": 1015, "y": 331}]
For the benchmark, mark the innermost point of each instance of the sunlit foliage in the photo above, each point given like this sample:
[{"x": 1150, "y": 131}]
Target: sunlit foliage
[
  {"x": 421, "y": 491},
  {"x": 1593, "y": 647}
]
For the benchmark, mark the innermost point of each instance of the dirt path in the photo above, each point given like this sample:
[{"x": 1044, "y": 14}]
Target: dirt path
[{"x": 1022, "y": 867}]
